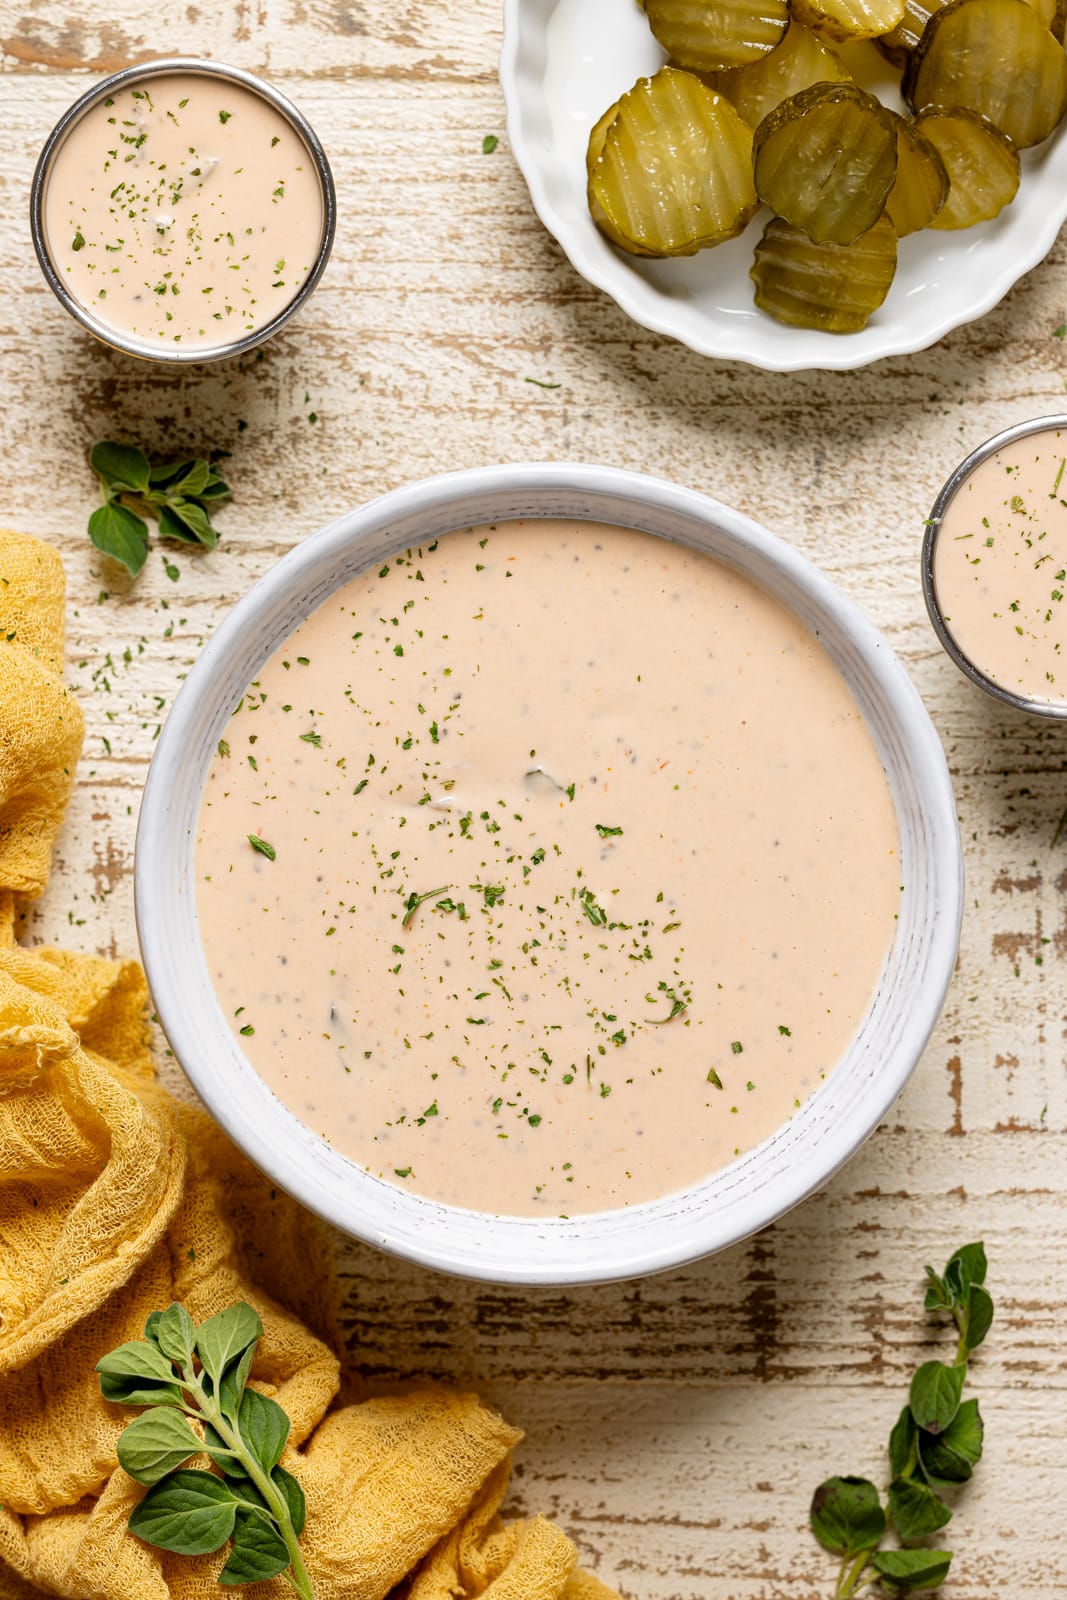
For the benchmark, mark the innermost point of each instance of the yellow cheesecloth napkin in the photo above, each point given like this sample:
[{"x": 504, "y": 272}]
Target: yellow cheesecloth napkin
[{"x": 116, "y": 1199}]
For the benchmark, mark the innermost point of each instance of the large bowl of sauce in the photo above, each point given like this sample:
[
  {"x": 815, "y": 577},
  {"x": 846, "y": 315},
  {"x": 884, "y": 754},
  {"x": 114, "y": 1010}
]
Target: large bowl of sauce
[
  {"x": 547, "y": 875},
  {"x": 182, "y": 210}
]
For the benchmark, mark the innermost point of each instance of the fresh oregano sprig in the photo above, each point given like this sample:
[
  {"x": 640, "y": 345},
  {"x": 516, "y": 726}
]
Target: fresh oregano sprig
[
  {"x": 933, "y": 1448},
  {"x": 179, "y": 494},
  {"x": 193, "y": 1382}
]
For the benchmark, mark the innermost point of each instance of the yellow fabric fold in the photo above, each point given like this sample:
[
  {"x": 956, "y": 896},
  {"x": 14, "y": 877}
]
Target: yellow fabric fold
[{"x": 116, "y": 1200}]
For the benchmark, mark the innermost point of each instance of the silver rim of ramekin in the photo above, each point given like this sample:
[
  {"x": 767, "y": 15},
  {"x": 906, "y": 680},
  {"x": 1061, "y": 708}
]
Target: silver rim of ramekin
[
  {"x": 140, "y": 73},
  {"x": 1020, "y": 702}
]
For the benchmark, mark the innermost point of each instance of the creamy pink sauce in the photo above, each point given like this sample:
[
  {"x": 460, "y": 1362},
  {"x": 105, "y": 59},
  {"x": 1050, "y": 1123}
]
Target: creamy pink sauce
[
  {"x": 1000, "y": 567},
  {"x": 581, "y": 868},
  {"x": 183, "y": 210}
]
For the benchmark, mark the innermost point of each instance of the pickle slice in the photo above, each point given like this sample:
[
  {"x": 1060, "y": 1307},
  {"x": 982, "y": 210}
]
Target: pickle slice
[
  {"x": 904, "y": 38},
  {"x": 921, "y": 186},
  {"x": 982, "y": 165},
  {"x": 996, "y": 57},
  {"x": 711, "y": 34},
  {"x": 675, "y": 171},
  {"x": 900, "y": 41},
  {"x": 834, "y": 287},
  {"x": 1053, "y": 14},
  {"x": 595, "y": 148},
  {"x": 842, "y": 20},
  {"x": 826, "y": 159},
  {"x": 798, "y": 62}
]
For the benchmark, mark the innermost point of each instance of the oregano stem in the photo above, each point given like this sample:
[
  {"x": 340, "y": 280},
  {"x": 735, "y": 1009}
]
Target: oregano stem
[
  {"x": 855, "y": 1572},
  {"x": 279, "y": 1510}
]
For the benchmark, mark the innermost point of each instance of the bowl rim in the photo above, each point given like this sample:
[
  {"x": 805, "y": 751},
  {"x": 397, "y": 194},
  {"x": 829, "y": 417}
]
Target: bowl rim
[
  {"x": 590, "y": 1247},
  {"x": 1052, "y": 710},
  {"x": 799, "y": 350},
  {"x": 162, "y": 66}
]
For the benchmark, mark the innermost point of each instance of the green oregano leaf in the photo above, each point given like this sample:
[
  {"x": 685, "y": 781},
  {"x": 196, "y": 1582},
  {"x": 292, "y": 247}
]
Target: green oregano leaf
[
  {"x": 172, "y": 527},
  {"x": 294, "y": 1497},
  {"x": 213, "y": 491},
  {"x": 264, "y": 1426},
  {"x": 191, "y": 479},
  {"x": 965, "y": 1432},
  {"x": 175, "y": 1333},
  {"x": 122, "y": 468},
  {"x": 942, "y": 1466},
  {"x": 123, "y": 1390},
  {"x": 902, "y": 1443},
  {"x": 970, "y": 1265},
  {"x": 155, "y": 1443},
  {"x": 912, "y": 1569},
  {"x": 225, "y": 1337},
  {"x": 915, "y": 1510},
  {"x": 979, "y": 1316},
  {"x": 847, "y": 1516},
  {"x": 166, "y": 473},
  {"x": 139, "y": 1358},
  {"x": 183, "y": 519},
  {"x": 937, "y": 1296},
  {"x": 190, "y": 1512},
  {"x": 119, "y": 532},
  {"x": 935, "y": 1395},
  {"x": 258, "y": 1551},
  {"x": 233, "y": 1383}
]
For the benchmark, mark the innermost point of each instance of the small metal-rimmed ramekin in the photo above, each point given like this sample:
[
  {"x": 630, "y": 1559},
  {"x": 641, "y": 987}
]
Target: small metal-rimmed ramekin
[
  {"x": 131, "y": 77},
  {"x": 970, "y": 668}
]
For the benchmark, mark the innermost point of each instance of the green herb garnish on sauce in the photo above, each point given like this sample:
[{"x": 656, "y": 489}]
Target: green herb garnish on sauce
[{"x": 415, "y": 900}]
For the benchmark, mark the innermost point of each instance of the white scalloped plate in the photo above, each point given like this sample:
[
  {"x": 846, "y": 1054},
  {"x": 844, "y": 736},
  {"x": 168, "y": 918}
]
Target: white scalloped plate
[{"x": 565, "y": 61}]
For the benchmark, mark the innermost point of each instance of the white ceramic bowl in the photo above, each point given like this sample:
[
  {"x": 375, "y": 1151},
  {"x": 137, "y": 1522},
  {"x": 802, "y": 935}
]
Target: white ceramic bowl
[
  {"x": 565, "y": 61},
  {"x": 760, "y": 1185}
]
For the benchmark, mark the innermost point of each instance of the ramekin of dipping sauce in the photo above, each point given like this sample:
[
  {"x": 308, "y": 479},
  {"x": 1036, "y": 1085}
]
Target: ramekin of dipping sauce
[
  {"x": 182, "y": 210},
  {"x": 994, "y": 566}
]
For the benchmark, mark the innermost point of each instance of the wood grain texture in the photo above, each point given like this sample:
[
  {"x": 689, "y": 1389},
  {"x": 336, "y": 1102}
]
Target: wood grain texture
[{"x": 676, "y": 1426}]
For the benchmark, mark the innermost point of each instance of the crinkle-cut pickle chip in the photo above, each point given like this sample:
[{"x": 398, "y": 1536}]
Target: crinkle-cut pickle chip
[
  {"x": 921, "y": 186},
  {"x": 798, "y": 62},
  {"x": 593, "y": 153},
  {"x": 842, "y": 20},
  {"x": 1053, "y": 14},
  {"x": 595, "y": 148},
  {"x": 899, "y": 42},
  {"x": 825, "y": 160},
  {"x": 982, "y": 165},
  {"x": 675, "y": 173},
  {"x": 832, "y": 287},
  {"x": 707, "y": 35},
  {"x": 898, "y": 45},
  {"x": 996, "y": 57}
]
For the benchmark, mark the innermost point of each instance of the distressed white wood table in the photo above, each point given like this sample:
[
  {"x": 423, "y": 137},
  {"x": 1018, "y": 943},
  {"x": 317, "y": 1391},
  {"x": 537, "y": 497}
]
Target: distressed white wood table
[{"x": 676, "y": 1426}]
